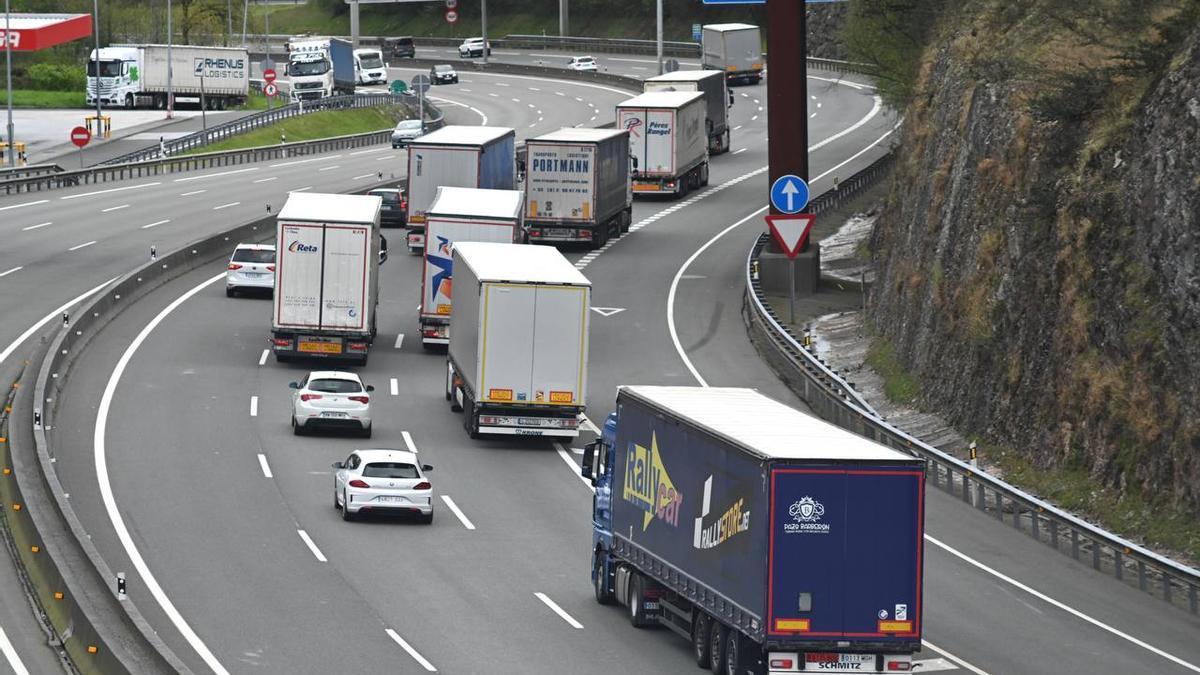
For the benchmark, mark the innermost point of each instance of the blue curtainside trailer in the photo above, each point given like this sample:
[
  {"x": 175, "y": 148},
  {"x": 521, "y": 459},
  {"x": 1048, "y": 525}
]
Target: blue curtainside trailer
[{"x": 773, "y": 541}]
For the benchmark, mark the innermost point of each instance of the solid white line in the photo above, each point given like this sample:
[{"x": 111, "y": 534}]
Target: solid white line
[
  {"x": 367, "y": 152},
  {"x": 462, "y": 517},
  {"x": 1066, "y": 608},
  {"x": 14, "y": 659},
  {"x": 305, "y": 161},
  {"x": 266, "y": 468},
  {"x": 365, "y": 175},
  {"x": 395, "y": 385},
  {"x": 104, "y": 192},
  {"x": 254, "y": 406},
  {"x": 225, "y": 206},
  {"x": 8, "y": 272},
  {"x": 566, "y": 457},
  {"x": 311, "y": 546},
  {"x": 214, "y": 175},
  {"x": 76, "y": 248},
  {"x": 477, "y": 111},
  {"x": 399, "y": 340},
  {"x": 17, "y": 206},
  {"x": 754, "y": 118},
  {"x": 264, "y": 180},
  {"x": 193, "y": 192},
  {"x": 408, "y": 442},
  {"x": 559, "y": 611},
  {"x": 739, "y": 151},
  {"x": 737, "y": 127},
  {"x": 330, "y": 168},
  {"x": 155, "y": 224},
  {"x": 953, "y": 658},
  {"x": 56, "y": 314},
  {"x": 262, "y": 360},
  {"x": 114, "y": 208},
  {"x": 590, "y": 426},
  {"x": 306, "y": 187},
  {"x": 34, "y": 227},
  {"x": 106, "y": 490},
  {"x": 411, "y": 652}
]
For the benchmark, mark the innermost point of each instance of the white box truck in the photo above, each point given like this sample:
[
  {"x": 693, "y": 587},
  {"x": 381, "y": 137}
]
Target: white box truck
[
  {"x": 717, "y": 99},
  {"x": 667, "y": 141},
  {"x": 456, "y": 156},
  {"x": 735, "y": 48},
  {"x": 326, "y": 277},
  {"x": 518, "y": 340},
  {"x": 577, "y": 186},
  {"x": 459, "y": 215},
  {"x": 136, "y": 75}
]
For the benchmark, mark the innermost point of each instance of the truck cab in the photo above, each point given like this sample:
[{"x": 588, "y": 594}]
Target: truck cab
[
  {"x": 597, "y": 467},
  {"x": 369, "y": 67},
  {"x": 310, "y": 69},
  {"x": 119, "y": 76}
]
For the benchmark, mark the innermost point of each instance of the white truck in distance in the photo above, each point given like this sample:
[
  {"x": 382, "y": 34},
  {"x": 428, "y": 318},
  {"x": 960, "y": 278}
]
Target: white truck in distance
[
  {"x": 136, "y": 75},
  {"x": 320, "y": 67},
  {"x": 517, "y": 363},
  {"x": 717, "y": 98},
  {"x": 577, "y": 186},
  {"x": 667, "y": 140},
  {"x": 369, "y": 67},
  {"x": 735, "y": 48},
  {"x": 326, "y": 277},
  {"x": 459, "y": 215}
]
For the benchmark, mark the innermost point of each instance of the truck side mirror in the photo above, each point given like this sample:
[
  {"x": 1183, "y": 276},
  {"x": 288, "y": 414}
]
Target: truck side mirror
[{"x": 587, "y": 470}]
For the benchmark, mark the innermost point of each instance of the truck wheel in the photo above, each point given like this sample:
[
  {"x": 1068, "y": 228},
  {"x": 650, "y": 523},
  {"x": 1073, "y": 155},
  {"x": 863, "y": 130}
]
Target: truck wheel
[
  {"x": 599, "y": 236},
  {"x": 129, "y": 101},
  {"x": 626, "y": 220},
  {"x": 685, "y": 185},
  {"x": 456, "y": 396},
  {"x": 604, "y": 596},
  {"x": 738, "y": 654},
  {"x": 701, "y": 625},
  {"x": 717, "y": 637},
  {"x": 704, "y": 175},
  {"x": 726, "y": 141},
  {"x": 637, "y": 602}
]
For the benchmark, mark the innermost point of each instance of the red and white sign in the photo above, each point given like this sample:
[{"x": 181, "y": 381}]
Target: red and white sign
[
  {"x": 31, "y": 32},
  {"x": 80, "y": 136},
  {"x": 791, "y": 231},
  {"x": 269, "y": 75},
  {"x": 270, "y": 89},
  {"x": 451, "y": 16}
]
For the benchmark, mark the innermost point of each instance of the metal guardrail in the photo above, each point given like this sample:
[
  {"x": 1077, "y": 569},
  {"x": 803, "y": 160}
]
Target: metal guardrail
[
  {"x": 28, "y": 170},
  {"x": 836, "y": 400}
]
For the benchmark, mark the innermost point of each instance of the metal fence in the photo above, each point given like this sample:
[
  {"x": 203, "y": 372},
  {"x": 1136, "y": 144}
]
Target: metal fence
[{"x": 835, "y": 399}]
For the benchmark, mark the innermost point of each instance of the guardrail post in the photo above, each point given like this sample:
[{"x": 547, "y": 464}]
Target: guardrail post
[
  {"x": 1118, "y": 564},
  {"x": 1192, "y": 600},
  {"x": 1166, "y": 582},
  {"x": 1016, "y": 515},
  {"x": 1036, "y": 524},
  {"x": 1095, "y": 554},
  {"x": 966, "y": 484},
  {"x": 1141, "y": 568},
  {"x": 1054, "y": 533}
]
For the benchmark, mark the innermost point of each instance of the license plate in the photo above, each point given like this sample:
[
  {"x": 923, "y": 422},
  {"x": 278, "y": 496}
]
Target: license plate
[
  {"x": 645, "y": 188},
  {"x": 320, "y": 347},
  {"x": 254, "y": 275},
  {"x": 560, "y": 232},
  {"x": 334, "y": 415},
  {"x": 839, "y": 662},
  {"x": 390, "y": 498}
]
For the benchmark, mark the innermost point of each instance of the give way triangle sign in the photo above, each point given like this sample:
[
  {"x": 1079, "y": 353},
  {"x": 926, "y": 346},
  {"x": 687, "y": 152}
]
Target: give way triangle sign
[{"x": 791, "y": 231}]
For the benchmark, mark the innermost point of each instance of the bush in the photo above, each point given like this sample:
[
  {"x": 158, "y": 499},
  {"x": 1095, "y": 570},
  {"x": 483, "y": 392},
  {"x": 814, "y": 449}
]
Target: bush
[{"x": 56, "y": 77}]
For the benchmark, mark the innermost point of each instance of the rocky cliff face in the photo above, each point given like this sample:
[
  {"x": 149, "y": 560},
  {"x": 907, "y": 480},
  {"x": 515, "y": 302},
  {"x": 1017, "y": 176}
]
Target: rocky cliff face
[
  {"x": 825, "y": 23},
  {"x": 1038, "y": 262}
]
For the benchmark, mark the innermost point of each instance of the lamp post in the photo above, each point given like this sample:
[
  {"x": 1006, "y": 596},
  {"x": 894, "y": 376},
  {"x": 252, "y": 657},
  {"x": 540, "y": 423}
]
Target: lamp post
[
  {"x": 659, "y": 15},
  {"x": 12, "y": 143},
  {"x": 170, "y": 88},
  {"x": 96, "y": 27},
  {"x": 483, "y": 26}
]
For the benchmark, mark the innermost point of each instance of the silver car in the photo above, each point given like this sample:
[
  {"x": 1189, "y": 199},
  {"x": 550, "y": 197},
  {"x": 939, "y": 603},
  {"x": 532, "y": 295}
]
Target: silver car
[
  {"x": 382, "y": 481},
  {"x": 406, "y": 131},
  {"x": 252, "y": 266}
]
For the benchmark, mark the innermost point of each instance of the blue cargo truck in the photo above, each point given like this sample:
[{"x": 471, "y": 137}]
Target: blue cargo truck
[{"x": 773, "y": 541}]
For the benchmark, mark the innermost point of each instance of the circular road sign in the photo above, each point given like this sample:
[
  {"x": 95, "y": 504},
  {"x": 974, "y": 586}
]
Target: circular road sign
[
  {"x": 420, "y": 83},
  {"x": 670, "y": 66},
  {"x": 269, "y": 75},
  {"x": 451, "y": 4},
  {"x": 270, "y": 89},
  {"x": 80, "y": 136},
  {"x": 451, "y": 16},
  {"x": 789, "y": 194}
]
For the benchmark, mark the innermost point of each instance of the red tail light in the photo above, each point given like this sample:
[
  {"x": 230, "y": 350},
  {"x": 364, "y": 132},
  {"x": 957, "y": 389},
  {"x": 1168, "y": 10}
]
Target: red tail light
[
  {"x": 282, "y": 342},
  {"x": 358, "y": 483},
  {"x": 234, "y": 266},
  {"x": 423, "y": 485},
  {"x": 309, "y": 397},
  {"x": 356, "y": 346},
  {"x": 899, "y": 665},
  {"x": 404, "y": 204},
  {"x": 271, "y": 268},
  {"x": 781, "y": 663},
  {"x": 360, "y": 399}
]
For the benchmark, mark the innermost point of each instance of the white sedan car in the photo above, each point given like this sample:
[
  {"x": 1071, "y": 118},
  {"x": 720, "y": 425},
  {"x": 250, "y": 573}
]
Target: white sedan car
[
  {"x": 331, "y": 399},
  {"x": 582, "y": 63},
  {"x": 382, "y": 481},
  {"x": 250, "y": 266}
]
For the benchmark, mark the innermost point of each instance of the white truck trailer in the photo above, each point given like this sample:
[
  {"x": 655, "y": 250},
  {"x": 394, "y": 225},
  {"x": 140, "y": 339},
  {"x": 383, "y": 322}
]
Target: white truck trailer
[
  {"x": 136, "y": 76},
  {"x": 735, "y": 48},
  {"x": 518, "y": 340},
  {"x": 460, "y": 215},
  {"x": 667, "y": 141},
  {"x": 577, "y": 186},
  {"x": 326, "y": 277},
  {"x": 717, "y": 98}
]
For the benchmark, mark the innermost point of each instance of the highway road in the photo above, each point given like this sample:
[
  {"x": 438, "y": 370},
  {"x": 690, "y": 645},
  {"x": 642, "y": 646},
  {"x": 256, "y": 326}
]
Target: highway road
[{"x": 231, "y": 514}]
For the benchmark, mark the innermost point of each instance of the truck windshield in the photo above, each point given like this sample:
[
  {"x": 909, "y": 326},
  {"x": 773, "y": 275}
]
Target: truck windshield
[
  {"x": 308, "y": 68},
  {"x": 370, "y": 60},
  {"x": 107, "y": 68}
]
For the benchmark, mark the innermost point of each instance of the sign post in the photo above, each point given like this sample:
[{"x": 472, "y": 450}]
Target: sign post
[
  {"x": 269, "y": 77},
  {"x": 80, "y": 137},
  {"x": 420, "y": 84},
  {"x": 789, "y": 227}
]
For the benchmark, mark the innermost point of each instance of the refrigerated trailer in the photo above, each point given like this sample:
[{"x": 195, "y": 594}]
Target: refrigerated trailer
[
  {"x": 667, "y": 140},
  {"x": 717, "y": 99},
  {"x": 772, "y": 540},
  {"x": 517, "y": 363},
  {"x": 733, "y": 48},
  {"x": 577, "y": 186}
]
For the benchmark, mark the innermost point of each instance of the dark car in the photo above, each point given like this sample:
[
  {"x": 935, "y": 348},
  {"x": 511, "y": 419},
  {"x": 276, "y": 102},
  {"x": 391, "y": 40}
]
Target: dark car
[
  {"x": 400, "y": 46},
  {"x": 394, "y": 212},
  {"x": 443, "y": 73}
]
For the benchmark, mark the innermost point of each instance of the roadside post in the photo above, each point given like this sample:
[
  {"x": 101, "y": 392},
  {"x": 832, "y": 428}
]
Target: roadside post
[
  {"x": 790, "y": 229},
  {"x": 269, "y": 89},
  {"x": 420, "y": 84},
  {"x": 80, "y": 137}
]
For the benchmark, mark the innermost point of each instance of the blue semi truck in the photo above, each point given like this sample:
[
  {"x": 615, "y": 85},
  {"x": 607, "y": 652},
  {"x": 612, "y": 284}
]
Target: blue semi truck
[{"x": 773, "y": 541}]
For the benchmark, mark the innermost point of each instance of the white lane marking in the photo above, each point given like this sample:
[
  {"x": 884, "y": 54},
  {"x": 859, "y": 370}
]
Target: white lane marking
[
  {"x": 193, "y": 192},
  {"x": 954, "y": 658},
  {"x": 932, "y": 665},
  {"x": 264, "y": 180},
  {"x": 399, "y": 340},
  {"x": 56, "y": 314},
  {"x": 10, "y": 653},
  {"x": 311, "y": 546},
  {"x": 408, "y": 442},
  {"x": 383, "y": 159},
  {"x": 516, "y": 100},
  {"x": 503, "y": 84},
  {"x": 534, "y": 89},
  {"x": 579, "y": 98},
  {"x": 76, "y": 248},
  {"x": 590, "y": 426},
  {"x": 8, "y": 272},
  {"x": 559, "y": 611},
  {"x": 367, "y": 152},
  {"x": 106, "y": 490},
  {"x": 262, "y": 360},
  {"x": 494, "y": 95},
  {"x": 411, "y": 652},
  {"x": 745, "y": 95},
  {"x": 155, "y": 224},
  {"x": 593, "y": 118},
  {"x": 566, "y": 457},
  {"x": 214, "y": 175},
  {"x": 266, "y": 468},
  {"x": 754, "y": 118},
  {"x": 1063, "y": 606},
  {"x": 18, "y": 206},
  {"x": 104, "y": 192},
  {"x": 330, "y": 168},
  {"x": 34, "y": 227},
  {"x": 559, "y": 93},
  {"x": 304, "y": 161},
  {"x": 395, "y": 387},
  {"x": 531, "y": 105},
  {"x": 301, "y": 189},
  {"x": 365, "y": 175},
  {"x": 532, "y": 125},
  {"x": 225, "y": 206},
  {"x": 472, "y": 108},
  {"x": 739, "y": 151},
  {"x": 639, "y": 67},
  {"x": 464, "y": 89},
  {"x": 114, "y": 208},
  {"x": 462, "y": 517},
  {"x": 737, "y": 127},
  {"x": 254, "y": 406}
]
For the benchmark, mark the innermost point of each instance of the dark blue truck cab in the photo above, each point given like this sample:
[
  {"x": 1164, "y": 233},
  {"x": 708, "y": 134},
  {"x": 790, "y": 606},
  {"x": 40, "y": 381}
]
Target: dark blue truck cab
[{"x": 773, "y": 541}]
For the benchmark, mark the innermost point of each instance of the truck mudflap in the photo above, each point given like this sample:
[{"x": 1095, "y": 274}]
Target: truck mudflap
[
  {"x": 293, "y": 346},
  {"x": 780, "y": 663}
]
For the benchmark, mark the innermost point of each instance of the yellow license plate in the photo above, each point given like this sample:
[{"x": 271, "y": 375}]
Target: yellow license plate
[
  {"x": 645, "y": 188},
  {"x": 321, "y": 347}
]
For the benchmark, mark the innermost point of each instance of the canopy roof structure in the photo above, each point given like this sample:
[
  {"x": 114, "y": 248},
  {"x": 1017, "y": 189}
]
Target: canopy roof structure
[{"x": 32, "y": 32}]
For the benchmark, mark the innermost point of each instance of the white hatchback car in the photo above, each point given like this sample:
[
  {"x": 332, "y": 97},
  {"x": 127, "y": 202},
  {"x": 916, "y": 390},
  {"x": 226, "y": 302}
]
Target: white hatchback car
[
  {"x": 250, "y": 266},
  {"x": 331, "y": 399},
  {"x": 382, "y": 481},
  {"x": 473, "y": 47},
  {"x": 582, "y": 63}
]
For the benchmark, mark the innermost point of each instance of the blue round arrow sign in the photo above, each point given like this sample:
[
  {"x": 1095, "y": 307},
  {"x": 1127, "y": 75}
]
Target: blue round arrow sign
[{"x": 789, "y": 194}]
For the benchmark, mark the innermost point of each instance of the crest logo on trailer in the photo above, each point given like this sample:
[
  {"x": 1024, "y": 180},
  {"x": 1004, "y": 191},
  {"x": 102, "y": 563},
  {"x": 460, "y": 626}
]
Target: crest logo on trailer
[
  {"x": 807, "y": 513},
  {"x": 297, "y": 247},
  {"x": 632, "y": 126}
]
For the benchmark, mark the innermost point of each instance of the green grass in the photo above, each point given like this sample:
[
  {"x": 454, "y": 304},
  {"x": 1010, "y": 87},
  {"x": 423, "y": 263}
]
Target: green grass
[
  {"x": 308, "y": 127},
  {"x": 31, "y": 98},
  {"x": 256, "y": 101},
  {"x": 898, "y": 385}
]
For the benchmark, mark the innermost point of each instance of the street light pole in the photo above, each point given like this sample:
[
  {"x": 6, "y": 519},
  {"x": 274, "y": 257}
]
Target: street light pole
[
  {"x": 659, "y": 13},
  {"x": 12, "y": 142},
  {"x": 483, "y": 22},
  {"x": 170, "y": 89},
  {"x": 96, "y": 27},
  {"x": 245, "y": 15}
]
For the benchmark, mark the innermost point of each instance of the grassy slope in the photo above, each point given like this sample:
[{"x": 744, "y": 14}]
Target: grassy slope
[
  {"x": 322, "y": 124},
  {"x": 29, "y": 98}
]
